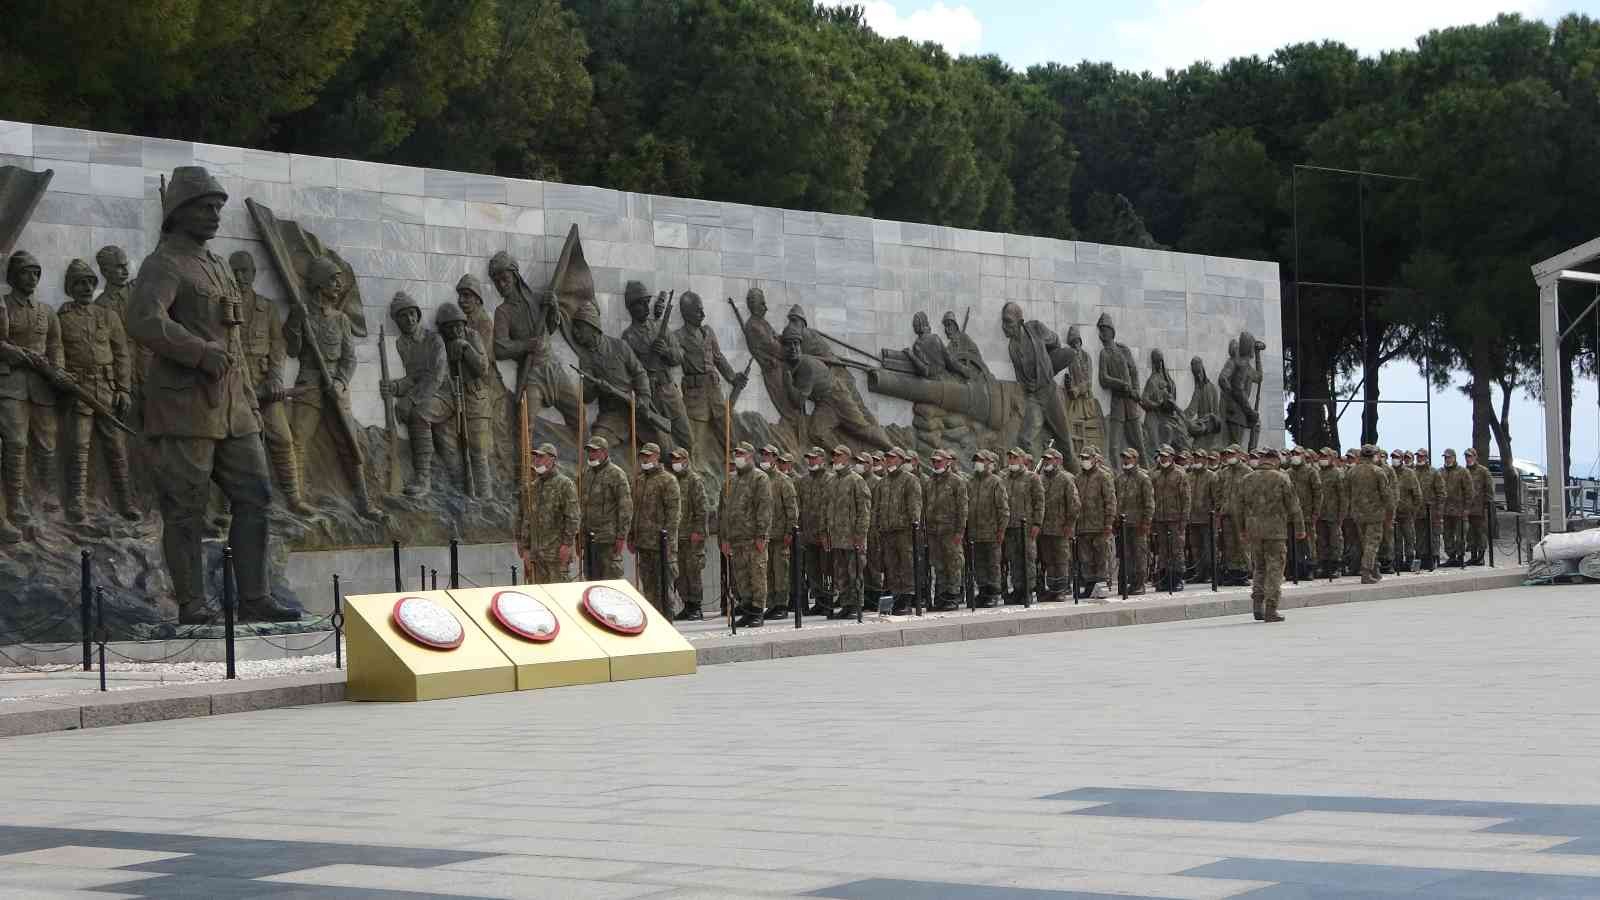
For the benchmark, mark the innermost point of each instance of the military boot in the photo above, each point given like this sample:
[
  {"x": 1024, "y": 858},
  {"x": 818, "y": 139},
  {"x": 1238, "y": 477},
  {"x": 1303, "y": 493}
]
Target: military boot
[
  {"x": 946, "y": 603},
  {"x": 692, "y": 612},
  {"x": 9, "y": 534},
  {"x": 1258, "y": 608},
  {"x": 421, "y": 483},
  {"x": 77, "y": 479},
  {"x": 903, "y": 604},
  {"x": 288, "y": 471},
  {"x": 1272, "y": 612},
  {"x": 122, "y": 493},
  {"x": 364, "y": 505},
  {"x": 14, "y": 465},
  {"x": 196, "y": 612}
]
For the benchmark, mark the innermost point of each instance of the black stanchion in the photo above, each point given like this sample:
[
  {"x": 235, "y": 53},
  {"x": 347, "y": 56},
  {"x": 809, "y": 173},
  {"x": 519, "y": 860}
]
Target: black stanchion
[
  {"x": 422, "y": 577},
  {"x": 588, "y": 556},
  {"x": 919, "y": 557},
  {"x": 729, "y": 599},
  {"x": 83, "y": 601},
  {"x": 1124, "y": 556},
  {"x": 455, "y": 564},
  {"x": 797, "y": 593},
  {"x": 1491, "y": 526},
  {"x": 663, "y": 574},
  {"x": 395, "y": 547},
  {"x": 337, "y": 621},
  {"x": 433, "y": 579},
  {"x": 1519, "y": 536},
  {"x": 861, "y": 583},
  {"x": 969, "y": 578},
  {"x": 514, "y": 573},
  {"x": 228, "y": 609},
  {"x": 100, "y": 630}
]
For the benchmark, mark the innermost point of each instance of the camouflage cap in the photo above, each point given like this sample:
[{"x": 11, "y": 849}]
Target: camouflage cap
[
  {"x": 786, "y": 458},
  {"x": 545, "y": 449},
  {"x": 1233, "y": 448},
  {"x": 650, "y": 449},
  {"x": 894, "y": 451},
  {"x": 877, "y": 455},
  {"x": 842, "y": 450},
  {"x": 769, "y": 448},
  {"x": 597, "y": 443},
  {"x": 1130, "y": 453},
  {"x": 1086, "y": 453},
  {"x": 469, "y": 284},
  {"x": 1016, "y": 451},
  {"x": 1367, "y": 450},
  {"x": 744, "y": 447},
  {"x": 816, "y": 451},
  {"x": 679, "y": 453},
  {"x": 1327, "y": 451},
  {"x": 1449, "y": 451},
  {"x": 79, "y": 269},
  {"x": 1214, "y": 456},
  {"x": 1052, "y": 453},
  {"x": 1164, "y": 450},
  {"x": 863, "y": 458},
  {"x": 1270, "y": 453},
  {"x": 1422, "y": 451}
]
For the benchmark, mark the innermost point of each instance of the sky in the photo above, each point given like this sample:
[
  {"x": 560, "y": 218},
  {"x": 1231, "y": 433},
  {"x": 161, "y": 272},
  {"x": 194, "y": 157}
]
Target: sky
[{"x": 1156, "y": 35}]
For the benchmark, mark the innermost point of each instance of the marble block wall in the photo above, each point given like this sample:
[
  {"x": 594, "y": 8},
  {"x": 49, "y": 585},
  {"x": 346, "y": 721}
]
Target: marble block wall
[{"x": 860, "y": 279}]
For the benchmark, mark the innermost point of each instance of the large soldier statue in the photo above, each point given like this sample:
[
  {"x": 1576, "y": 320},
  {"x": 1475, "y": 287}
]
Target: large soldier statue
[{"x": 200, "y": 411}]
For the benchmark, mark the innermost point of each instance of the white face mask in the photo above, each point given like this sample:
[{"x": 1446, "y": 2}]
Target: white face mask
[
  {"x": 648, "y": 466},
  {"x": 1166, "y": 463},
  {"x": 741, "y": 462},
  {"x": 979, "y": 468},
  {"x": 1050, "y": 468},
  {"x": 861, "y": 468},
  {"x": 1297, "y": 461},
  {"x": 595, "y": 463},
  {"x": 840, "y": 467},
  {"x": 1127, "y": 467},
  {"x": 766, "y": 466},
  {"x": 678, "y": 467},
  {"x": 540, "y": 470},
  {"x": 909, "y": 468},
  {"x": 1088, "y": 465},
  {"x": 813, "y": 466},
  {"x": 1013, "y": 468},
  {"x": 1323, "y": 463}
]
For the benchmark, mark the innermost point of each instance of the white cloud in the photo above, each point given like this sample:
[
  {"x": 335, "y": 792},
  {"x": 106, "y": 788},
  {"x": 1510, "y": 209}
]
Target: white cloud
[
  {"x": 957, "y": 28},
  {"x": 1179, "y": 32}
]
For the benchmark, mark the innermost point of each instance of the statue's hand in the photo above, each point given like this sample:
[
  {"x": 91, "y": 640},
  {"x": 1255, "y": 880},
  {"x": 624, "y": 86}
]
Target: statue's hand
[
  {"x": 741, "y": 379},
  {"x": 213, "y": 361},
  {"x": 122, "y": 403}
]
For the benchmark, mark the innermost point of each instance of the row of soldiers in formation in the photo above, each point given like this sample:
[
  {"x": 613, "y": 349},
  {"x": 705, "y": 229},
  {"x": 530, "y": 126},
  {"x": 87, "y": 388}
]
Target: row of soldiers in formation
[{"x": 1024, "y": 530}]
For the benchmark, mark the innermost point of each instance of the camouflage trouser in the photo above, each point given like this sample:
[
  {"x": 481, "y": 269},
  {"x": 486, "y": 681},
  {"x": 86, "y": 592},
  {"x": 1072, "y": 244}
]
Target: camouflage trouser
[
  {"x": 1477, "y": 535},
  {"x": 607, "y": 561},
  {"x": 1352, "y": 545},
  {"x": 1199, "y": 545},
  {"x": 546, "y": 568},
  {"x": 691, "y": 572},
  {"x": 1371, "y": 537},
  {"x": 899, "y": 571},
  {"x": 986, "y": 566},
  {"x": 1266, "y": 572},
  {"x": 1055, "y": 554},
  {"x": 842, "y": 563},
  {"x": 1232, "y": 551},
  {"x": 949, "y": 564},
  {"x": 1019, "y": 562},
  {"x": 1405, "y": 541},
  {"x": 1099, "y": 563},
  {"x": 749, "y": 576},
  {"x": 1167, "y": 538},
  {"x": 874, "y": 563},
  {"x": 649, "y": 565},
  {"x": 1452, "y": 536},
  {"x": 1133, "y": 552},
  {"x": 815, "y": 563},
  {"x": 777, "y": 572},
  {"x": 1427, "y": 536},
  {"x": 1386, "y": 545},
  {"x": 1330, "y": 542}
]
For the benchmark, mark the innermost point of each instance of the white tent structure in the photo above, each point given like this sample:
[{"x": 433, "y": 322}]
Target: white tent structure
[{"x": 1549, "y": 275}]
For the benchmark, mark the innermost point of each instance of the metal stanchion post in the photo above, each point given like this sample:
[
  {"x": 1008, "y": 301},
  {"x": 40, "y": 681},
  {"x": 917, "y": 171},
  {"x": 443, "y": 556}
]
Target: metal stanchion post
[
  {"x": 337, "y": 621},
  {"x": 1519, "y": 536},
  {"x": 663, "y": 575},
  {"x": 422, "y": 577},
  {"x": 1491, "y": 526},
  {"x": 919, "y": 558},
  {"x": 395, "y": 547},
  {"x": 100, "y": 630},
  {"x": 228, "y": 608},
  {"x": 1123, "y": 575},
  {"x": 514, "y": 573},
  {"x": 83, "y": 601},
  {"x": 455, "y": 564},
  {"x": 588, "y": 556},
  {"x": 433, "y": 579}
]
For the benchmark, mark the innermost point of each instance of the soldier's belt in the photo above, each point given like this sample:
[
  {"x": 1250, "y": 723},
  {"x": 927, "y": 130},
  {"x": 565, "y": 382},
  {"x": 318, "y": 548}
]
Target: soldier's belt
[{"x": 702, "y": 380}]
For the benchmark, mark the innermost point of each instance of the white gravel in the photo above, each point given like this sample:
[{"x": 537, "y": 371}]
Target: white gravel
[{"x": 147, "y": 675}]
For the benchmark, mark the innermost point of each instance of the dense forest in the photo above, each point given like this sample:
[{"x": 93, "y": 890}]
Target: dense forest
[{"x": 782, "y": 103}]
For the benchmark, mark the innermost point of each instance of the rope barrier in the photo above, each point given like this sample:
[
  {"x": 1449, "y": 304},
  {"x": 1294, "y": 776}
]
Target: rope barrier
[{"x": 23, "y": 633}]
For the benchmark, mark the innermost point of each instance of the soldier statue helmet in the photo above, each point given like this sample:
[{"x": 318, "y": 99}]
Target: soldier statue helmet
[
  {"x": 402, "y": 304},
  {"x": 754, "y": 298},
  {"x": 450, "y": 321},
  {"x": 1106, "y": 328},
  {"x": 23, "y": 271},
  {"x": 952, "y": 326},
  {"x": 189, "y": 183},
  {"x": 588, "y": 315},
  {"x": 919, "y": 323}
]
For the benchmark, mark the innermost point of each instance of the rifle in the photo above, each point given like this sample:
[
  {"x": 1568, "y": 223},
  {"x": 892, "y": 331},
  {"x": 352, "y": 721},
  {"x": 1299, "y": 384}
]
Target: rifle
[
  {"x": 525, "y": 478},
  {"x": 389, "y": 427},
  {"x": 64, "y": 382},
  {"x": 660, "y": 423},
  {"x": 461, "y": 430},
  {"x": 734, "y": 396},
  {"x": 666, "y": 314},
  {"x": 285, "y": 395}
]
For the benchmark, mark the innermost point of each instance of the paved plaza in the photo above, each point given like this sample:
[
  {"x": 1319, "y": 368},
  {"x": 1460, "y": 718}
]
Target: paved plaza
[{"x": 1431, "y": 747}]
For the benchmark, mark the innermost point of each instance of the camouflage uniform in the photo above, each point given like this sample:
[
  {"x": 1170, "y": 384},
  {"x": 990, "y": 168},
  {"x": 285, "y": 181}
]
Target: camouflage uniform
[
  {"x": 785, "y": 518},
  {"x": 1170, "y": 487},
  {"x": 1429, "y": 532},
  {"x": 607, "y": 513},
  {"x": 1137, "y": 502},
  {"x": 812, "y": 492},
  {"x": 27, "y": 399},
  {"x": 1057, "y": 527},
  {"x": 988, "y": 513},
  {"x": 901, "y": 508},
  {"x": 1386, "y": 546},
  {"x": 1477, "y": 518},
  {"x": 553, "y": 523},
  {"x": 1330, "y": 515},
  {"x": 1229, "y": 478},
  {"x": 262, "y": 335},
  {"x": 693, "y": 521},
  {"x": 874, "y": 565},
  {"x": 746, "y": 518},
  {"x": 1201, "y": 502},
  {"x": 1027, "y": 513},
  {"x": 1097, "y": 518},
  {"x": 97, "y": 357},
  {"x": 848, "y": 515},
  {"x": 1308, "y": 490},
  {"x": 945, "y": 520},
  {"x": 1268, "y": 505},
  {"x": 1371, "y": 504},
  {"x": 656, "y": 508},
  {"x": 1457, "y": 503},
  {"x": 1405, "y": 511}
]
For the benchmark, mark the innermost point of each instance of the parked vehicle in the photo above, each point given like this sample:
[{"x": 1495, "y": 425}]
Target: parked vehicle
[{"x": 1530, "y": 472}]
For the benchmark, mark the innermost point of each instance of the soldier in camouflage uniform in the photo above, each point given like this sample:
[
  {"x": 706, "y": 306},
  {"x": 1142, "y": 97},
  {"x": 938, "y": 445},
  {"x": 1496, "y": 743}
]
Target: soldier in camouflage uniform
[
  {"x": 1457, "y": 503},
  {"x": 812, "y": 492},
  {"x": 1170, "y": 487},
  {"x": 607, "y": 510},
  {"x": 874, "y": 475},
  {"x": 1405, "y": 512},
  {"x": 1352, "y": 531},
  {"x": 467, "y": 361},
  {"x": 988, "y": 513},
  {"x": 847, "y": 518},
  {"x": 945, "y": 512},
  {"x": 1372, "y": 506},
  {"x": 1386, "y": 545},
  {"x": 423, "y": 398},
  {"x": 1308, "y": 489},
  {"x": 1478, "y": 506},
  {"x": 97, "y": 358},
  {"x": 1268, "y": 505},
  {"x": 1097, "y": 522},
  {"x": 1022, "y": 528},
  {"x": 693, "y": 524},
  {"x": 1136, "y": 501},
  {"x": 744, "y": 523},
  {"x": 659, "y": 353},
  {"x": 264, "y": 352},
  {"x": 1235, "y": 563},
  {"x": 656, "y": 508},
  {"x": 1201, "y": 503},
  {"x": 1057, "y": 527},
  {"x": 901, "y": 508},
  {"x": 1429, "y": 531},
  {"x": 1330, "y": 514},
  {"x": 30, "y": 336},
  {"x": 552, "y": 537},
  {"x": 780, "y": 540}
]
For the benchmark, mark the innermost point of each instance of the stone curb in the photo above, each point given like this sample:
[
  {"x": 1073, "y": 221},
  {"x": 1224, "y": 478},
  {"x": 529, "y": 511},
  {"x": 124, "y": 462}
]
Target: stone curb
[{"x": 220, "y": 698}]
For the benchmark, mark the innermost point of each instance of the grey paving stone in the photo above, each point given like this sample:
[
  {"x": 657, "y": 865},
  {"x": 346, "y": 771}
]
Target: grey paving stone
[
  {"x": 1351, "y": 876},
  {"x": 22, "y": 717},
  {"x": 808, "y": 646},
  {"x": 931, "y": 634},
  {"x": 899, "y": 889}
]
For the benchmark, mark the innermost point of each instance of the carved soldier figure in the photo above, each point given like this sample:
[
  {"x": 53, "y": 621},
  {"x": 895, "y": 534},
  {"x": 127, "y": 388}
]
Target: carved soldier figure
[
  {"x": 262, "y": 335},
  {"x": 832, "y": 416},
  {"x": 200, "y": 409},
  {"x": 962, "y": 352},
  {"x": 1119, "y": 374},
  {"x": 1204, "y": 412},
  {"x": 469, "y": 296},
  {"x": 1031, "y": 347},
  {"x": 30, "y": 341},
  {"x": 1243, "y": 371},
  {"x": 609, "y": 358},
  {"x": 704, "y": 369},
  {"x": 522, "y": 325},
  {"x": 467, "y": 364},
  {"x": 96, "y": 352},
  {"x": 326, "y": 328},
  {"x": 927, "y": 353},
  {"x": 117, "y": 273},
  {"x": 656, "y": 350},
  {"x": 1085, "y": 418},
  {"x": 423, "y": 399},
  {"x": 1164, "y": 421},
  {"x": 768, "y": 353}
]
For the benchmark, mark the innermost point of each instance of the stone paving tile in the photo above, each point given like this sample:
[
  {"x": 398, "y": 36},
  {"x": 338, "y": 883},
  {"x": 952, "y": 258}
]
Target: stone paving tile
[{"x": 456, "y": 883}]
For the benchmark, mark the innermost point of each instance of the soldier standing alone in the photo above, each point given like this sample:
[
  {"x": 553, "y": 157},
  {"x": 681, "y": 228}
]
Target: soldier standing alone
[
  {"x": 1457, "y": 503},
  {"x": 656, "y": 508},
  {"x": 607, "y": 510},
  {"x": 1266, "y": 502},
  {"x": 1478, "y": 506},
  {"x": 693, "y": 524},
  {"x": 97, "y": 356},
  {"x": 553, "y": 528},
  {"x": 1097, "y": 519},
  {"x": 745, "y": 521}
]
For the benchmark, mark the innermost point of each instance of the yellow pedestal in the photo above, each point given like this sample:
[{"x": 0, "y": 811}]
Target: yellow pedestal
[
  {"x": 387, "y": 665},
  {"x": 572, "y": 658},
  {"x": 658, "y": 650}
]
